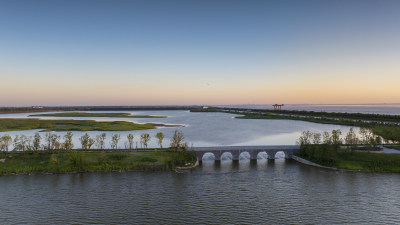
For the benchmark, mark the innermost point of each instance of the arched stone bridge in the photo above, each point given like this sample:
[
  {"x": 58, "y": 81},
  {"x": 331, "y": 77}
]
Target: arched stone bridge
[{"x": 271, "y": 150}]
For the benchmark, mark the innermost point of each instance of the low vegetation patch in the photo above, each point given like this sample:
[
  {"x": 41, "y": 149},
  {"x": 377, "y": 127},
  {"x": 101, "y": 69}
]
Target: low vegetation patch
[
  {"x": 85, "y": 114},
  {"x": 346, "y": 159},
  {"x": 70, "y": 125},
  {"x": 83, "y": 161}
]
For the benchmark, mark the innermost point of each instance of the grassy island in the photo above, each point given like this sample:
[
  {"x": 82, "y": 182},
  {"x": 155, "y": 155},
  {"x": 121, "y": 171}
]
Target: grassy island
[
  {"x": 85, "y": 114},
  {"x": 70, "y": 125},
  {"x": 94, "y": 160},
  {"x": 351, "y": 160},
  {"x": 351, "y": 152}
]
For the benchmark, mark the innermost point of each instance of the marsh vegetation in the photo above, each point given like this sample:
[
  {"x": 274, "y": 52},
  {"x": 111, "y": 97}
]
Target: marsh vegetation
[
  {"x": 86, "y": 114},
  {"x": 55, "y": 154},
  {"x": 70, "y": 125}
]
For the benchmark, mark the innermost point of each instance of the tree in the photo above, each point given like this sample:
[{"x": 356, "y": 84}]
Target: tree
[
  {"x": 316, "y": 137},
  {"x": 335, "y": 138},
  {"x": 48, "y": 140},
  {"x": 351, "y": 139},
  {"x": 326, "y": 138},
  {"x": 130, "y": 140},
  {"x": 160, "y": 137},
  {"x": 378, "y": 140},
  {"x": 68, "y": 145},
  {"x": 55, "y": 141},
  {"x": 114, "y": 141},
  {"x": 305, "y": 138},
  {"x": 364, "y": 135},
  {"x": 145, "y": 138},
  {"x": 5, "y": 141},
  {"x": 100, "y": 141},
  {"x": 36, "y": 141},
  {"x": 177, "y": 140},
  {"x": 84, "y": 141},
  {"x": 91, "y": 142},
  {"x": 370, "y": 138},
  {"x": 20, "y": 142}
]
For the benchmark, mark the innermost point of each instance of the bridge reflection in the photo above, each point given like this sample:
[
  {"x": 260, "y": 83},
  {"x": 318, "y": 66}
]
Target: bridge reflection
[{"x": 229, "y": 166}]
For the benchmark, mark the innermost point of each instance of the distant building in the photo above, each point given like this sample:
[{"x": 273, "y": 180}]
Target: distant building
[{"x": 277, "y": 106}]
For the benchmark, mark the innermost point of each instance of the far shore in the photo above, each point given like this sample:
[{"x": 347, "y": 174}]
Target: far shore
[{"x": 28, "y": 111}]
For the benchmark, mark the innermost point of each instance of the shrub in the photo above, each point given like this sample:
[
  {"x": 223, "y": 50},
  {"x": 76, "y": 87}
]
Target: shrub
[
  {"x": 118, "y": 157},
  {"x": 148, "y": 159}
]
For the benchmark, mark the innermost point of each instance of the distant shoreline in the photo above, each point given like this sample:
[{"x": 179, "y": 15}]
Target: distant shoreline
[{"x": 30, "y": 111}]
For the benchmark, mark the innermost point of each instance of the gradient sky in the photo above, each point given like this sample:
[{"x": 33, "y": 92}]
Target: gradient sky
[{"x": 150, "y": 52}]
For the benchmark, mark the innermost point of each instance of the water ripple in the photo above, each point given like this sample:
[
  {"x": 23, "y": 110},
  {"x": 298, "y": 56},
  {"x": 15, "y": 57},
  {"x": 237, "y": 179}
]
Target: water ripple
[{"x": 274, "y": 193}]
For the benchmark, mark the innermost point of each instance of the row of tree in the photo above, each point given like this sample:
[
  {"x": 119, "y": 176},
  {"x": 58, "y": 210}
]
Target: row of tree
[
  {"x": 52, "y": 141},
  {"x": 324, "y": 148},
  {"x": 366, "y": 137}
]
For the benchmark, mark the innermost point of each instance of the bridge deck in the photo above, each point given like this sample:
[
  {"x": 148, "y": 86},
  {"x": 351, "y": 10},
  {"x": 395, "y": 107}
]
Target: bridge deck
[{"x": 249, "y": 148}]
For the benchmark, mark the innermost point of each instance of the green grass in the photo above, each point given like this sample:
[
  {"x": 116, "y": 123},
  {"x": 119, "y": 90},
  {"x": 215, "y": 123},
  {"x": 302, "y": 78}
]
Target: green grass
[
  {"x": 345, "y": 159},
  {"x": 369, "y": 161},
  {"x": 80, "y": 161},
  {"x": 69, "y": 125},
  {"x": 84, "y": 114}
]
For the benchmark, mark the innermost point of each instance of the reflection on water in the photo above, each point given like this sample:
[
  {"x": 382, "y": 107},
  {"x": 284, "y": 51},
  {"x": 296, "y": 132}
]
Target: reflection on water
[
  {"x": 227, "y": 192},
  {"x": 262, "y": 164},
  {"x": 225, "y": 165},
  {"x": 245, "y": 165}
]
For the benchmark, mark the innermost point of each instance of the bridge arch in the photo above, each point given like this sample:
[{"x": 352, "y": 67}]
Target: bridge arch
[
  {"x": 280, "y": 155},
  {"x": 244, "y": 156},
  {"x": 262, "y": 155},
  {"x": 207, "y": 156},
  {"x": 227, "y": 156},
  {"x": 254, "y": 152}
]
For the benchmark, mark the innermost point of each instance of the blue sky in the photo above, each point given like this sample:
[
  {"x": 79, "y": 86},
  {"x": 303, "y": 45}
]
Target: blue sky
[{"x": 198, "y": 52}]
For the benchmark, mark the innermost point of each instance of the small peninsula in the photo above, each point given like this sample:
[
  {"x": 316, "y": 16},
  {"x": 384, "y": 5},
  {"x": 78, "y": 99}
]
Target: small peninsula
[
  {"x": 70, "y": 125},
  {"x": 85, "y": 114}
]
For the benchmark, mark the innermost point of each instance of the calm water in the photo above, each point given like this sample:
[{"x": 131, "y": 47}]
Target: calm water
[
  {"x": 263, "y": 192},
  {"x": 204, "y": 129}
]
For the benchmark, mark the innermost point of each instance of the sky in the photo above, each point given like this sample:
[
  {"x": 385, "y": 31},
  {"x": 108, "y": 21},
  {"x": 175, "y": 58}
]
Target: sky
[{"x": 166, "y": 52}]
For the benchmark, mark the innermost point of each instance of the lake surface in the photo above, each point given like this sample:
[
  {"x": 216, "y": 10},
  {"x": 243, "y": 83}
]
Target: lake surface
[
  {"x": 262, "y": 192},
  {"x": 201, "y": 129}
]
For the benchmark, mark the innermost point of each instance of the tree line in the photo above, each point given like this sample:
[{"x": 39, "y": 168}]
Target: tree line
[
  {"x": 325, "y": 148},
  {"x": 351, "y": 139},
  {"x": 51, "y": 141}
]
